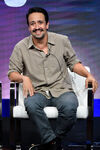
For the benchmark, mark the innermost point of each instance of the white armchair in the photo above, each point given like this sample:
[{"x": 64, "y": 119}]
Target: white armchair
[{"x": 84, "y": 110}]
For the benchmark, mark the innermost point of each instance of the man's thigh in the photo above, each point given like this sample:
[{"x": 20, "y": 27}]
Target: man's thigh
[
  {"x": 36, "y": 101},
  {"x": 66, "y": 101}
]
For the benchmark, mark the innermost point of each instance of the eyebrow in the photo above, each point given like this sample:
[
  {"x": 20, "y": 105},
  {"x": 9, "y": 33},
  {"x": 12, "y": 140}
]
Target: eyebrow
[{"x": 37, "y": 21}]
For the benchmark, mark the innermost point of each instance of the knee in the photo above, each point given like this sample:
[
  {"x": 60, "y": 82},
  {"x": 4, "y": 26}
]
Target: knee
[
  {"x": 68, "y": 110},
  {"x": 68, "y": 104}
]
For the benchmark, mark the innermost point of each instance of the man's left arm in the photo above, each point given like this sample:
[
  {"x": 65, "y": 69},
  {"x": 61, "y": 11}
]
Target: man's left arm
[{"x": 81, "y": 70}]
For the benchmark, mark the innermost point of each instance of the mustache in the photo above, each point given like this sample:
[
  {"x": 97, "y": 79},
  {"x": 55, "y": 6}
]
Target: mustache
[{"x": 37, "y": 30}]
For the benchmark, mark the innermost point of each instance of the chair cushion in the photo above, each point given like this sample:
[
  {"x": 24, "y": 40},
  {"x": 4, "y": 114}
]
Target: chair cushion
[
  {"x": 20, "y": 112},
  {"x": 51, "y": 112}
]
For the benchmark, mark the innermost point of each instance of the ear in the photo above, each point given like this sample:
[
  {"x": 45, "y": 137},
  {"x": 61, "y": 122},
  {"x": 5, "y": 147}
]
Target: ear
[{"x": 47, "y": 25}]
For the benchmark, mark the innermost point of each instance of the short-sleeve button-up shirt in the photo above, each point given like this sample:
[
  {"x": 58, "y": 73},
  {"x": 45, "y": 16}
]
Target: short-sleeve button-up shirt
[{"x": 48, "y": 72}]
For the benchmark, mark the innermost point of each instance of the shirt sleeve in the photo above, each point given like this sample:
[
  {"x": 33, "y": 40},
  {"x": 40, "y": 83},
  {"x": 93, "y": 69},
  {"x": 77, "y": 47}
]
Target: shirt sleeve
[
  {"x": 69, "y": 54},
  {"x": 15, "y": 61}
]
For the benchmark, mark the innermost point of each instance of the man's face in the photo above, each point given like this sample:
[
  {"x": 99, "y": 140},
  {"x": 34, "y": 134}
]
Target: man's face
[{"x": 37, "y": 25}]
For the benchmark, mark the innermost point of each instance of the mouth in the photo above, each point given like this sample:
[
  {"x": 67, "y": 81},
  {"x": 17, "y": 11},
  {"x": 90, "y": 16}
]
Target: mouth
[
  {"x": 38, "y": 33},
  {"x": 38, "y": 30}
]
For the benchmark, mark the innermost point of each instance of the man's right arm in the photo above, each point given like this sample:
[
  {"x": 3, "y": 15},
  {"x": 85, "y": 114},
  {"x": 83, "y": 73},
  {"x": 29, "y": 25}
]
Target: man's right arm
[
  {"x": 27, "y": 83},
  {"x": 15, "y": 70}
]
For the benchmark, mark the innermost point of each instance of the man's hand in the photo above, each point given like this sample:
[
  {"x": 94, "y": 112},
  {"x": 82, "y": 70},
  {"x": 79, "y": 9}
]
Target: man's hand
[
  {"x": 28, "y": 89},
  {"x": 81, "y": 70},
  {"x": 91, "y": 79}
]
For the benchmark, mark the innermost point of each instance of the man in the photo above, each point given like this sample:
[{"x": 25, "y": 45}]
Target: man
[{"x": 40, "y": 62}]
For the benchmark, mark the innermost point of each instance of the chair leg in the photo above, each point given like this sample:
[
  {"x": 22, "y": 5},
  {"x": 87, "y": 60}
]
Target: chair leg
[
  {"x": 18, "y": 131},
  {"x": 12, "y": 142}
]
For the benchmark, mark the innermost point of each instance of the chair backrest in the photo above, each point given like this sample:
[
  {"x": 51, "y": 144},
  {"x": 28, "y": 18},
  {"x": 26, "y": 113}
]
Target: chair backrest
[{"x": 78, "y": 84}]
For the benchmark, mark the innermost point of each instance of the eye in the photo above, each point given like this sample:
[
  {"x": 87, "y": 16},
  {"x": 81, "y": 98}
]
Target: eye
[
  {"x": 32, "y": 23},
  {"x": 40, "y": 22}
]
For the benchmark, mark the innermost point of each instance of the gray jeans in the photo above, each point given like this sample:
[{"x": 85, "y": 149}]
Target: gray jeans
[{"x": 67, "y": 106}]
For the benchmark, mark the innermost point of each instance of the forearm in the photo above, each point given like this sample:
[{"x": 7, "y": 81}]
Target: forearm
[{"x": 81, "y": 70}]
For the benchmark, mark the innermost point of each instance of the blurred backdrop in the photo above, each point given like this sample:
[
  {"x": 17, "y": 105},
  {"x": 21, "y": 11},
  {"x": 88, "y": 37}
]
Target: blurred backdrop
[{"x": 79, "y": 19}]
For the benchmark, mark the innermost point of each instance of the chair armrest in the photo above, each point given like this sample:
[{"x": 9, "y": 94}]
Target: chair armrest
[
  {"x": 12, "y": 97},
  {"x": 90, "y": 100},
  {"x": 90, "y": 115},
  {"x": 17, "y": 90}
]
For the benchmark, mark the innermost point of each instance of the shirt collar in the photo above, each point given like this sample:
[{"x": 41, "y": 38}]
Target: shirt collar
[
  {"x": 30, "y": 42},
  {"x": 50, "y": 40}
]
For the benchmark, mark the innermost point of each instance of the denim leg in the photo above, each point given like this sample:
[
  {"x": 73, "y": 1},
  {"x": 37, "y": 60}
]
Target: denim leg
[
  {"x": 67, "y": 105},
  {"x": 34, "y": 106}
]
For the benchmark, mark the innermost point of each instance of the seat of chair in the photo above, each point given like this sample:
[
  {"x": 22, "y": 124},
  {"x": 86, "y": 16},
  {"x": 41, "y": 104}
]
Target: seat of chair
[{"x": 51, "y": 112}]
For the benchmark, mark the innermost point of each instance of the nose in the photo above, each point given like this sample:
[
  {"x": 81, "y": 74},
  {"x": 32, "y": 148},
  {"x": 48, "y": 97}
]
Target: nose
[{"x": 36, "y": 26}]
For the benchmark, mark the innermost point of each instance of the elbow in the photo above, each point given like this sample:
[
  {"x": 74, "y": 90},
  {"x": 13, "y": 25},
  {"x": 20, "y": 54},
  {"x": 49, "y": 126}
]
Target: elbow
[{"x": 11, "y": 77}]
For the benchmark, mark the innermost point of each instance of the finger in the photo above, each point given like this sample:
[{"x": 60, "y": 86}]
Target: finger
[
  {"x": 95, "y": 86},
  {"x": 31, "y": 91},
  {"x": 25, "y": 92},
  {"x": 86, "y": 83}
]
